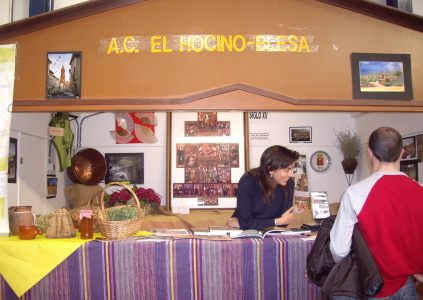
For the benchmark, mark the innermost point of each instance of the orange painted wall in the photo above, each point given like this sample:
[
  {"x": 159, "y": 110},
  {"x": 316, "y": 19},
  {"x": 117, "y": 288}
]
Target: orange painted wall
[{"x": 322, "y": 75}]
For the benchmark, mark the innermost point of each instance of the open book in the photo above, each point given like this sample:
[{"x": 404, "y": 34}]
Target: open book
[
  {"x": 238, "y": 233},
  {"x": 216, "y": 231},
  {"x": 271, "y": 231}
]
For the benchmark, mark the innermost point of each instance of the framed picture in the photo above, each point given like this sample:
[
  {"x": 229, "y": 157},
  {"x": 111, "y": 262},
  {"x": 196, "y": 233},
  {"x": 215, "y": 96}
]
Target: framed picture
[
  {"x": 206, "y": 159},
  {"x": 419, "y": 140},
  {"x": 51, "y": 186},
  {"x": 300, "y": 174},
  {"x": 63, "y": 75},
  {"x": 410, "y": 148},
  {"x": 125, "y": 167},
  {"x": 381, "y": 76},
  {"x": 12, "y": 160},
  {"x": 300, "y": 134},
  {"x": 410, "y": 168}
]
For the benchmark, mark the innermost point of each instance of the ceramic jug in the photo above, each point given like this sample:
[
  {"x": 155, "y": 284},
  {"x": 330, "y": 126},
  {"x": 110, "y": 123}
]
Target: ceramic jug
[{"x": 19, "y": 216}]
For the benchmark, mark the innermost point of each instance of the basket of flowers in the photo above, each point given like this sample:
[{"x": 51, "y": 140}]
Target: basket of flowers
[
  {"x": 121, "y": 221},
  {"x": 148, "y": 198}
]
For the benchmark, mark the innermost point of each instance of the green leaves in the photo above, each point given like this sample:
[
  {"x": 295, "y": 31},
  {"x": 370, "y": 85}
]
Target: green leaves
[
  {"x": 348, "y": 142},
  {"x": 122, "y": 213}
]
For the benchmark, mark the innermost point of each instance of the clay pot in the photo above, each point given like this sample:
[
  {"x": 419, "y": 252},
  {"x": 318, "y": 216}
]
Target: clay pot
[
  {"x": 18, "y": 216},
  {"x": 349, "y": 165},
  {"x": 28, "y": 232}
]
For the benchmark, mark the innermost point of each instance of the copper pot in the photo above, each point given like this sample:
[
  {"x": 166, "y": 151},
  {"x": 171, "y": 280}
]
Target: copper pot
[{"x": 88, "y": 166}]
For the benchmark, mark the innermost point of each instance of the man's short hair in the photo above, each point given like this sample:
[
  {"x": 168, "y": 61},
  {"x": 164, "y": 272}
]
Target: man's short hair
[{"x": 386, "y": 144}]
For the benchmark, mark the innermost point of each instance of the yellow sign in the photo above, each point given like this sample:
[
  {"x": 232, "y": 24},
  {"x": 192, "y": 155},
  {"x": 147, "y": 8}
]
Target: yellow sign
[{"x": 208, "y": 43}]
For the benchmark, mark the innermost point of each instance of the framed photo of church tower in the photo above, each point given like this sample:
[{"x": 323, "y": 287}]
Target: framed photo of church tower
[{"x": 63, "y": 75}]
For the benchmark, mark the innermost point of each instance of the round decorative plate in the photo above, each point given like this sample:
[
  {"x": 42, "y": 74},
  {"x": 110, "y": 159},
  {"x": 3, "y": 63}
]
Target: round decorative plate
[{"x": 320, "y": 161}]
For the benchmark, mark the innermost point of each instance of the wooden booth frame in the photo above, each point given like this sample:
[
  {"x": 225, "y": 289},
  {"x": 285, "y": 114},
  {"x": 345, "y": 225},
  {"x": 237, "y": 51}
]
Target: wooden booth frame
[
  {"x": 381, "y": 76},
  {"x": 206, "y": 158},
  {"x": 125, "y": 167},
  {"x": 63, "y": 75}
]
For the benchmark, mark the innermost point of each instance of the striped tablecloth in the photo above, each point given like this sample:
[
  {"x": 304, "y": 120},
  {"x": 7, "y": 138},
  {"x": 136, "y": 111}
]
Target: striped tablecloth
[{"x": 270, "y": 268}]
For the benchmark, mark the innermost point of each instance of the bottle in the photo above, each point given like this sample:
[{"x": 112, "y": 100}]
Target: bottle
[{"x": 86, "y": 226}]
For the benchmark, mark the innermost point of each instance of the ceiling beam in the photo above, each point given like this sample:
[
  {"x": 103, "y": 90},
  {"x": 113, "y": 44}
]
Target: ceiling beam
[{"x": 382, "y": 12}]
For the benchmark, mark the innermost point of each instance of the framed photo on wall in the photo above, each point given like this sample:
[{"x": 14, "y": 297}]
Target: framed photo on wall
[
  {"x": 419, "y": 140},
  {"x": 410, "y": 168},
  {"x": 300, "y": 134},
  {"x": 410, "y": 148},
  {"x": 125, "y": 167},
  {"x": 51, "y": 186},
  {"x": 63, "y": 75},
  {"x": 12, "y": 160},
  {"x": 206, "y": 159},
  {"x": 381, "y": 76}
]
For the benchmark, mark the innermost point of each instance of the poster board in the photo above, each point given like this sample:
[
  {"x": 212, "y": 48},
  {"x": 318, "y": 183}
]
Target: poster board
[{"x": 207, "y": 159}]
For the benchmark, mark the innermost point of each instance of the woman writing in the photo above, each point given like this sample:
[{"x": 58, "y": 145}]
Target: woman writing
[{"x": 265, "y": 193}]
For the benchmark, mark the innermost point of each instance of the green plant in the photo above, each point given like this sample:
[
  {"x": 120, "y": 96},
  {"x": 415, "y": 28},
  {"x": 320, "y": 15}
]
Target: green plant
[
  {"x": 348, "y": 142},
  {"x": 122, "y": 213}
]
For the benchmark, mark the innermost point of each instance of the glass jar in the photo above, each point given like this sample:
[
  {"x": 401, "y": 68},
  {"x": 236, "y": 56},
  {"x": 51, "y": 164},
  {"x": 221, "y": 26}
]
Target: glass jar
[{"x": 86, "y": 226}]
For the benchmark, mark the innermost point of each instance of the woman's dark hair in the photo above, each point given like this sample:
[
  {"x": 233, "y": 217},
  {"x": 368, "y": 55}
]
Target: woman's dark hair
[
  {"x": 386, "y": 144},
  {"x": 273, "y": 158}
]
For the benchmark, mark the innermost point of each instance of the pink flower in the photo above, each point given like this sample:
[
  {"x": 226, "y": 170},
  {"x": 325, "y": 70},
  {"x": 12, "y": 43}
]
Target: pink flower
[
  {"x": 147, "y": 195},
  {"x": 121, "y": 196},
  {"x": 144, "y": 195}
]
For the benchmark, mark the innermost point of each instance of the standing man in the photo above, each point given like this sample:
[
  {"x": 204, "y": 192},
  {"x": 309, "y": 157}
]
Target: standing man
[{"x": 388, "y": 207}]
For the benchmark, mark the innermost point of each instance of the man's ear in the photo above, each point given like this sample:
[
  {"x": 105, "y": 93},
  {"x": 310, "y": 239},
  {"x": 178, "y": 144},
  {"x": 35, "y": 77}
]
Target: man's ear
[
  {"x": 369, "y": 153},
  {"x": 402, "y": 152}
]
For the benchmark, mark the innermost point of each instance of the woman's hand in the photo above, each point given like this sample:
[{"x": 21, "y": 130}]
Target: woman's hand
[
  {"x": 233, "y": 222},
  {"x": 419, "y": 277},
  {"x": 286, "y": 218}
]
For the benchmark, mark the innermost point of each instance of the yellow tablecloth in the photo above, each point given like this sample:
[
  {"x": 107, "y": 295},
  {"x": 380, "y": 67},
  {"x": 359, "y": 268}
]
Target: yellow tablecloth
[{"x": 25, "y": 262}]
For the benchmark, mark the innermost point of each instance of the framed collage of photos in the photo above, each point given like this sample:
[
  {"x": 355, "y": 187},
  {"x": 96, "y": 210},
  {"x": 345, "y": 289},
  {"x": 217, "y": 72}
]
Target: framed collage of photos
[{"x": 207, "y": 158}]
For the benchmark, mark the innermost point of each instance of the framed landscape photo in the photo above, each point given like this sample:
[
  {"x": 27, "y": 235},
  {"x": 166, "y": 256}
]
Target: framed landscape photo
[
  {"x": 51, "y": 186},
  {"x": 381, "y": 76},
  {"x": 63, "y": 75},
  {"x": 300, "y": 134},
  {"x": 206, "y": 159},
  {"x": 125, "y": 167}
]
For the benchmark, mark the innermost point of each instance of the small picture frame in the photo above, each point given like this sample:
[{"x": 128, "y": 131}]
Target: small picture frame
[
  {"x": 51, "y": 186},
  {"x": 419, "y": 140},
  {"x": 410, "y": 148},
  {"x": 125, "y": 167},
  {"x": 300, "y": 134},
  {"x": 63, "y": 75},
  {"x": 410, "y": 167},
  {"x": 381, "y": 76},
  {"x": 12, "y": 160}
]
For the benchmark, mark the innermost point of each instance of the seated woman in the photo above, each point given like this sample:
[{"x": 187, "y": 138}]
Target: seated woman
[{"x": 265, "y": 193}]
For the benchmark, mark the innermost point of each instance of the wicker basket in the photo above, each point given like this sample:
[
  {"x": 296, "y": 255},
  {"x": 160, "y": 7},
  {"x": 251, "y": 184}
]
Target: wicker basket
[{"x": 116, "y": 230}]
